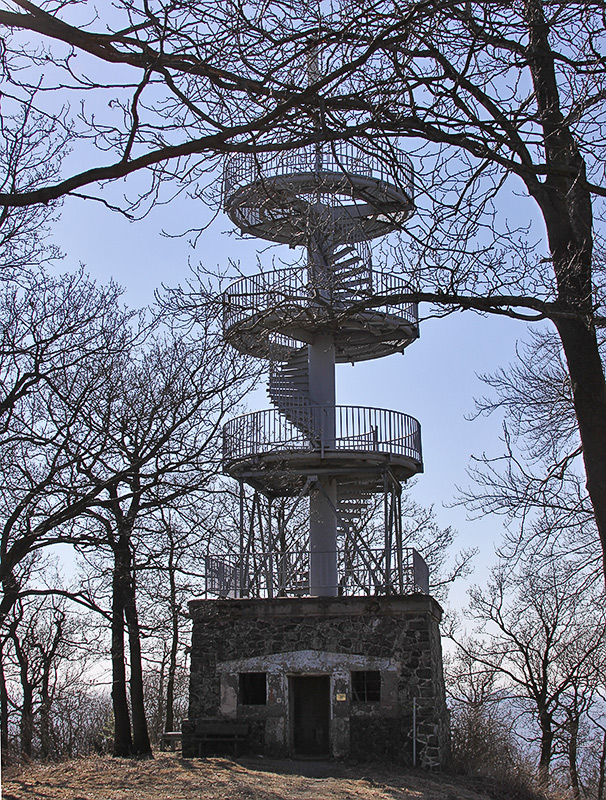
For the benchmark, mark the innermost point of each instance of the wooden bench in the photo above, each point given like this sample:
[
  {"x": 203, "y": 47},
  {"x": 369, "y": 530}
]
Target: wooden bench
[
  {"x": 169, "y": 740},
  {"x": 216, "y": 737}
]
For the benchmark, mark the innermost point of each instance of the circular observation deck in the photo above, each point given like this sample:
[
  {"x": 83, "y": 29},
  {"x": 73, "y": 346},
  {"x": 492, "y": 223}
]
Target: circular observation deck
[
  {"x": 278, "y": 454},
  {"x": 283, "y": 302},
  {"x": 286, "y": 196}
]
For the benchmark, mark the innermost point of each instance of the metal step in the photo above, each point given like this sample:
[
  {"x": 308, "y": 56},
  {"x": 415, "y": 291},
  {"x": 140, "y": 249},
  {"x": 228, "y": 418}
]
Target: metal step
[
  {"x": 298, "y": 376},
  {"x": 357, "y": 268},
  {"x": 349, "y": 286},
  {"x": 349, "y": 492},
  {"x": 344, "y": 251},
  {"x": 298, "y": 386},
  {"x": 348, "y": 262},
  {"x": 351, "y": 509},
  {"x": 353, "y": 279}
]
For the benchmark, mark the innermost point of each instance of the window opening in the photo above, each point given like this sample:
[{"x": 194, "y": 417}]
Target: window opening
[
  {"x": 253, "y": 689},
  {"x": 366, "y": 686}
]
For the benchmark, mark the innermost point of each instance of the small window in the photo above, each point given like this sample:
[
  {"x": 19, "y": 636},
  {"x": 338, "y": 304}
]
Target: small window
[
  {"x": 366, "y": 686},
  {"x": 253, "y": 689}
]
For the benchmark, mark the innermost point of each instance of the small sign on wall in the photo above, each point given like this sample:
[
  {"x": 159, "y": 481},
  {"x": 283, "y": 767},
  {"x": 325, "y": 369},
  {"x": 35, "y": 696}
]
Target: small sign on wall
[{"x": 341, "y": 697}]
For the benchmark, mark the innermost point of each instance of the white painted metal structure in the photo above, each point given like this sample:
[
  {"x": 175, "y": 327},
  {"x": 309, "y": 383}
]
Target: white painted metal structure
[{"x": 332, "y": 200}]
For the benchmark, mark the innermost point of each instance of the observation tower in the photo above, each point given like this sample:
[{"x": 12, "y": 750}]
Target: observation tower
[
  {"x": 331, "y": 200},
  {"x": 318, "y": 636}
]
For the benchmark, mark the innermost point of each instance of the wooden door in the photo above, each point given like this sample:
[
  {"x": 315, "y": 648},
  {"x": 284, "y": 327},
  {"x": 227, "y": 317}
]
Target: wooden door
[{"x": 310, "y": 715}]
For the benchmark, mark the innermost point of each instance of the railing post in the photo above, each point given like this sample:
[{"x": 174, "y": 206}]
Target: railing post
[
  {"x": 269, "y": 567},
  {"x": 387, "y": 537},
  {"x": 397, "y": 500},
  {"x": 242, "y": 584}
]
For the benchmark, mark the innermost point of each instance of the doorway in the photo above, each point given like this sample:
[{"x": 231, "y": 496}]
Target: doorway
[{"x": 310, "y": 715}]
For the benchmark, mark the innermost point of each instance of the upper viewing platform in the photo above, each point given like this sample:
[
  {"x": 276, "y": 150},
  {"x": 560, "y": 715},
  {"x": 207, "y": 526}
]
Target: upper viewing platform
[{"x": 353, "y": 192}]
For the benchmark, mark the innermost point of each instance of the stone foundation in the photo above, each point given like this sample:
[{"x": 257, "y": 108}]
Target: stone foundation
[{"x": 377, "y": 661}]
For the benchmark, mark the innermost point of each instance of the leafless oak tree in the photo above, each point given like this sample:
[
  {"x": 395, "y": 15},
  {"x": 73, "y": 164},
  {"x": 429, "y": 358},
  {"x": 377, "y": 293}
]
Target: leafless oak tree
[
  {"x": 160, "y": 421},
  {"x": 58, "y": 338},
  {"x": 537, "y": 483},
  {"x": 544, "y": 638}
]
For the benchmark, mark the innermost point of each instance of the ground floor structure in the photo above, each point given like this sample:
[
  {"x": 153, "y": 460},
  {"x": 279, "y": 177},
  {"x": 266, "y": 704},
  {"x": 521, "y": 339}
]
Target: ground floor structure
[{"x": 340, "y": 677}]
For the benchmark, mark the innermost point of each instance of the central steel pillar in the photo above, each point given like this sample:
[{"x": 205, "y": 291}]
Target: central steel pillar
[{"x": 323, "y": 497}]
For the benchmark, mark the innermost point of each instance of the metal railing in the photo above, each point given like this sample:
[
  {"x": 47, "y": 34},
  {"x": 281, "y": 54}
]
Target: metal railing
[
  {"x": 286, "y": 574},
  {"x": 357, "y": 428},
  {"x": 393, "y": 167},
  {"x": 289, "y": 291}
]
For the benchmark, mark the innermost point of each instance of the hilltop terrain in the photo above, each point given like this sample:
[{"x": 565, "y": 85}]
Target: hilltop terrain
[{"x": 169, "y": 777}]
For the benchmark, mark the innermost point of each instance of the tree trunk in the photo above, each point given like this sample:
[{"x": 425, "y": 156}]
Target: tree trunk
[
  {"x": 589, "y": 390},
  {"x": 46, "y": 749},
  {"x": 46, "y": 724},
  {"x": 123, "y": 743},
  {"x": 26, "y": 724},
  {"x": 4, "y": 751},
  {"x": 572, "y": 756},
  {"x": 174, "y": 645},
  {"x": 170, "y": 690},
  {"x": 566, "y": 205},
  {"x": 545, "y": 724},
  {"x": 10, "y": 594},
  {"x": 141, "y": 743},
  {"x": 159, "y": 711},
  {"x": 26, "y": 727}
]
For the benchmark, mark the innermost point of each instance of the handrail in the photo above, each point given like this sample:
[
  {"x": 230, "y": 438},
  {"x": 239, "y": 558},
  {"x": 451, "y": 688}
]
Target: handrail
[
  {"x": 286, "y": 574},
  {"x": 288, "y": 289},
  {"x": 347, "y": 158},
  {"x": 357, "y": 428}
]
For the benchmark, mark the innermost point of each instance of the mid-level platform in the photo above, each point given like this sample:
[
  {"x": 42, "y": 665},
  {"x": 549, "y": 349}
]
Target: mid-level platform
[
  {"x": 257, "y": 307},
  {"x": 268, "y": 451}
]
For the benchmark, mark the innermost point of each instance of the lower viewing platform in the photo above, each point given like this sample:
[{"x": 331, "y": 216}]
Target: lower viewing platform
[
  {"x": 348, "y": 442},
  {"x": 361, "y": 571}
]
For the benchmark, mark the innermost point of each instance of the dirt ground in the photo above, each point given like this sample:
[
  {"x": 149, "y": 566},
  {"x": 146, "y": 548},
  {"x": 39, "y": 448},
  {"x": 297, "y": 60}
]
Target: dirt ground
[{"x": 169, "y": 777}]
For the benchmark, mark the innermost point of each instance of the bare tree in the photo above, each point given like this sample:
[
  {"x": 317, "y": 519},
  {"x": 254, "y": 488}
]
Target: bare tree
[
  {"x": 170, "y": 576},
  {"x": 538, "y": 482},
  {"x": 543, "y": 635},
  {"x": 483, "y": 721},
  {"x": 160, "y": 425},
  {"x": 60, "y": 339},
  {"x": 45, "y": 646}
]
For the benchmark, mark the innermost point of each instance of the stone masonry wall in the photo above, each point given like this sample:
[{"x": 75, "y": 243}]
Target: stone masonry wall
[{"x": 399, "y": 634}]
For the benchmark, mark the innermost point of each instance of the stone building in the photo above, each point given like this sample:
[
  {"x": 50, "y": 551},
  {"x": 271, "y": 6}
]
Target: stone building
[{"x": 340, "y": 677}]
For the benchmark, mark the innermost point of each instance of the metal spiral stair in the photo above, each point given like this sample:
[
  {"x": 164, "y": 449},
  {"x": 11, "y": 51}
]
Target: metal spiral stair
[{"x": 303, "y": 320}]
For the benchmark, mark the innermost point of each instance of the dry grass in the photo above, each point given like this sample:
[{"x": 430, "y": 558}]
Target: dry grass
[{"x": 169, "y": 777}]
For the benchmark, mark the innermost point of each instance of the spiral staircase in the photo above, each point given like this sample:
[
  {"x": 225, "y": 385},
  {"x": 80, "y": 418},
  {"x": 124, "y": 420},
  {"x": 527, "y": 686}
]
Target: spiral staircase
[{"x": 332, "y": 200}]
